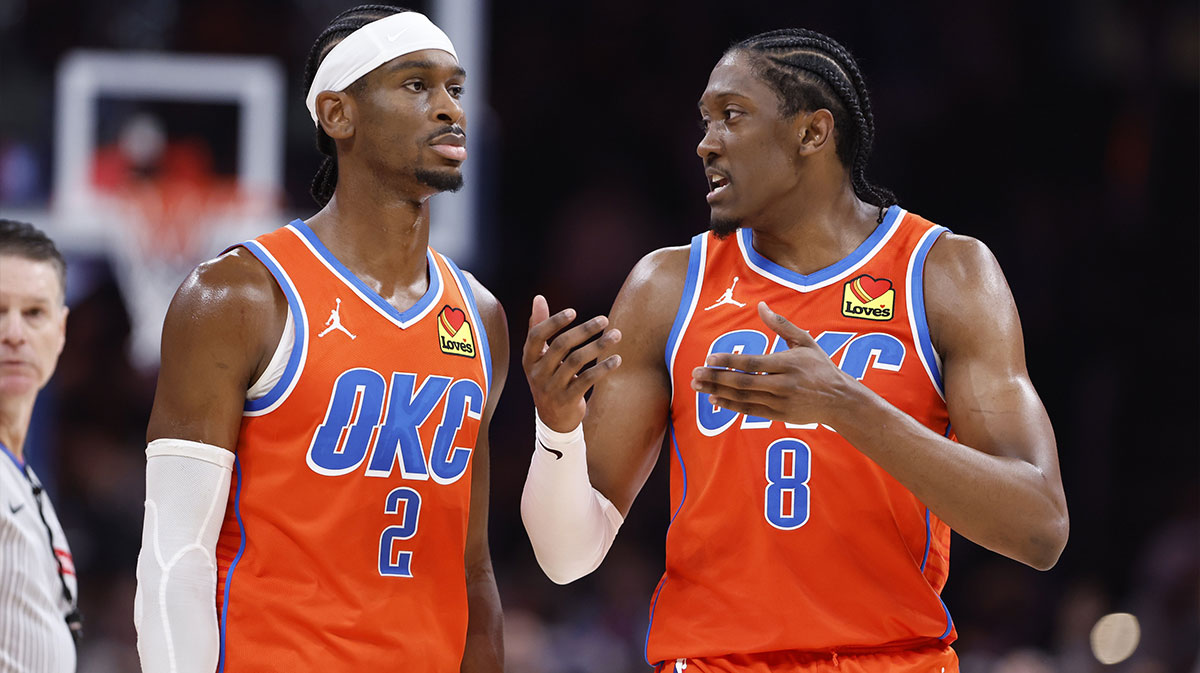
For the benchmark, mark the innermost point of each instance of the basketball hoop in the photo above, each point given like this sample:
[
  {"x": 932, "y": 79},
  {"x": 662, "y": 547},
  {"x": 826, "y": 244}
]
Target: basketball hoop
[
  {"x": 156, "y": 203},
  {"x": 156, "y": 237}
]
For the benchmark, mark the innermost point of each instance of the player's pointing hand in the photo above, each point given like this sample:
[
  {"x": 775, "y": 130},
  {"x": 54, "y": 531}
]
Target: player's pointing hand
[
  {"x": 794, "y": 336},
  {"x": 555, "y": 365},
  {"x": 798, "y": 385}
]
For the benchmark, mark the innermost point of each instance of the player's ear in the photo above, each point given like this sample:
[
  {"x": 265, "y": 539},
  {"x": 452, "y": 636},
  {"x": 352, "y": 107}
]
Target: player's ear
[
  {"x": 335, "y": 113},
  {"x": 813, "y": 130}
]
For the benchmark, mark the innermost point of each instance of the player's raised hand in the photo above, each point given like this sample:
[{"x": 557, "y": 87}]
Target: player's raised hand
[
  {"x": 554, "y": 362},
  {"x": 799, "y": 385}
]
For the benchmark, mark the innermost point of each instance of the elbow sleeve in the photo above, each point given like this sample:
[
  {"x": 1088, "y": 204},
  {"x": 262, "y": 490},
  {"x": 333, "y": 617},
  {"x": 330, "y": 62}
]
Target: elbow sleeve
[
  {"x": 570, "y": 524},
  {"x": 187, "y": 486}
]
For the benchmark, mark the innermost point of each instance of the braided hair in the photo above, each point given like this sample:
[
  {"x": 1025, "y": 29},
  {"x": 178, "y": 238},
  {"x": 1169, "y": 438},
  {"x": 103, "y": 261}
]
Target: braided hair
[
  {"x": 811, "y": 71},
  {"x": 325, "y": 181}
]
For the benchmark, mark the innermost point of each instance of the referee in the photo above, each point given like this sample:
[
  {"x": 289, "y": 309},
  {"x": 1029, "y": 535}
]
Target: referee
[{"x": 38, "y": 616}]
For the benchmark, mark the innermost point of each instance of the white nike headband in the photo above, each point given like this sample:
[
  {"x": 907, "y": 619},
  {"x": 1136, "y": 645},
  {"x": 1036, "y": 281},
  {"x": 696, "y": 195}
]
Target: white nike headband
[{"x": 370, "y": 47}]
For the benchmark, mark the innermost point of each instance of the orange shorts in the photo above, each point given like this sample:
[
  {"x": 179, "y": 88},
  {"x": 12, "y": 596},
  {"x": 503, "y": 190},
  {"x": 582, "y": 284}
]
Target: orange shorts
[{"x": 926, "y": 660}]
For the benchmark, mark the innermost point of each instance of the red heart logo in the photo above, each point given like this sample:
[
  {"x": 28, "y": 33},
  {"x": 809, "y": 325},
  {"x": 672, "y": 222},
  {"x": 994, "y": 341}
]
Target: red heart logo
[
  {"x": 872, "y": 287},
  {"x": 452, "y": 319}
]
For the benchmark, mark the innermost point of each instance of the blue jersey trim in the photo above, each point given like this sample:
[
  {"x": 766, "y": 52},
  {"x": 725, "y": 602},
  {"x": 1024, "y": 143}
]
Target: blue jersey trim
[
  {"x": 469, "y": 294},
  {"x": 404, "y": 319},
  {"x": 690, "y": 287},
  {"x": 916, "y": 288},
  {"x": 928, "y": 528},
  {"x": 853, "y": 259},
  {"x": 299, "y": 321},
  {"x": 663, "y": 583},
  {"x": 237, "y": 501},
  {"x": 949, "y": 619},
  {"x": 928, "y": 538},
  {"x": 13, "y": 457}
]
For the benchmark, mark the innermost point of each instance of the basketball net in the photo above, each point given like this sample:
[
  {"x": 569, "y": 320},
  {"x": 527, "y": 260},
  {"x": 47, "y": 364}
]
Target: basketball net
[{"x": 156, "y": 233}]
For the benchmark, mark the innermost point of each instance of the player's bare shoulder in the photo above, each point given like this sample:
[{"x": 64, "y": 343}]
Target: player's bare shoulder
[
  {"x": 646, "y": 305},
  {"x": 965, "y": 289},
  {"x": 228, "y": 302},
  {"x": 659, "y": 270},
  {"x": 223, "y": 324},
  {"x": 960, "y": 258},
  {"x": 653, "y": 289}
]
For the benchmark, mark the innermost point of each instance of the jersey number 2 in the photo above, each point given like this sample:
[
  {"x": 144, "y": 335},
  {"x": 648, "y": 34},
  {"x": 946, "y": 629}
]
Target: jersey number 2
[
  {"x": 406, "y": 503},
  {"x": 789, "y": 462}
]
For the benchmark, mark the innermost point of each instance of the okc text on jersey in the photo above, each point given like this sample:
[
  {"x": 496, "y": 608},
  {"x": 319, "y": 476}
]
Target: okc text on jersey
[
  {"x": 367, "y": 414},
  {"x": 859, "y": 354}
]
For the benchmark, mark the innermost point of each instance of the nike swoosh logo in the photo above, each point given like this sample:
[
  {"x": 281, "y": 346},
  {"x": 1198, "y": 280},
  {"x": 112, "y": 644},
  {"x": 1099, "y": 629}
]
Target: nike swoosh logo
[
  {"x": 393, "y": 38},
  {"x": 557, "y": 454},
  {"x": 16, "y": 508}
]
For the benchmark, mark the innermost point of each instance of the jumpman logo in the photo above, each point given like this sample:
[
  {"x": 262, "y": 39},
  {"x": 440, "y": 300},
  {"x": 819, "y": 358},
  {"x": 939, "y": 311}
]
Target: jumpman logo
[
  {"x": 727, "y": 298},
  {"x": 335, "y": 321}
]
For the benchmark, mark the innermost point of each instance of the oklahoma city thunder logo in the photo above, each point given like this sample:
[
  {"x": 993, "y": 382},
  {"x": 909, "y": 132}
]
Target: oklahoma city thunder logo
[
  {"x": 454, "y": 333},
  {"x": 869, "y": 298}
]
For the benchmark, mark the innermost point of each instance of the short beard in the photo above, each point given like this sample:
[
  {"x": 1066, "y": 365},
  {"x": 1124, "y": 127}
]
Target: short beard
[
  {"x": 443, "y": 182},
  {"x": 723, "y": 227}
]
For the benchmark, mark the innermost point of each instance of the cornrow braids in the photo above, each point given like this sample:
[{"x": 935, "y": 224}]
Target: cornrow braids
[
  {"x": 811, "y": 71},
  {"x": 325, "y": 181}
]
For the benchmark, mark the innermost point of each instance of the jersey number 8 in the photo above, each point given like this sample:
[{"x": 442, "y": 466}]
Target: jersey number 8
[{"x": 789, "y": 462}]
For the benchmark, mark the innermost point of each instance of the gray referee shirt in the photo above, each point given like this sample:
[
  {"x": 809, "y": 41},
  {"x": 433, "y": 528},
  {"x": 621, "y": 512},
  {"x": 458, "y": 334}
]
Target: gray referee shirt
[{"x": 34, "y": 636}]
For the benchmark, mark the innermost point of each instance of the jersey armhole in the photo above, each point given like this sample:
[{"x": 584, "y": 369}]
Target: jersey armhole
[
  {"x": 464, "y": 288},
  {"x": 277, "y": 393},
  {"x": 918, "y": 320},
  {"x": 697, "y": 256},
  {"x": 279, "y": 360}
]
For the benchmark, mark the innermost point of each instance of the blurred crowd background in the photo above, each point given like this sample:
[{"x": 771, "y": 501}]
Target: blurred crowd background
[{"x": 1062, "y": 133}]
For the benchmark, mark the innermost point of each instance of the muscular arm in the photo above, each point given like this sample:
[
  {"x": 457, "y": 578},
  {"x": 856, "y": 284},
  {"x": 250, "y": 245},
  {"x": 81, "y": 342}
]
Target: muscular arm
[
  {"x": 628, "y": 411},
  {"x": 573, "y": 504},
  {"x": 999, "y": 485},
  {"x": 1007, "y": 495},
  {"x": 219, "y": 334},
  {"x": 220, "y": 329},
  {"x": 485, "y": 626}
]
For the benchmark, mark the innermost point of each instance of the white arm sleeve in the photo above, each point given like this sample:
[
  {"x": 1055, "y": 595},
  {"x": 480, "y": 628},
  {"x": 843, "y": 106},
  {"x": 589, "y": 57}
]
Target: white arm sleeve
[
  {"x": 570, "y": 524},
  {"x": 187, "y": 486}
]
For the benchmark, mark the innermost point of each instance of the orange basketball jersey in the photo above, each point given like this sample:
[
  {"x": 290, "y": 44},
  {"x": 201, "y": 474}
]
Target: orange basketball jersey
[
  {"x": 785, "y": 537},
  {"x": 344, "y": 535}
]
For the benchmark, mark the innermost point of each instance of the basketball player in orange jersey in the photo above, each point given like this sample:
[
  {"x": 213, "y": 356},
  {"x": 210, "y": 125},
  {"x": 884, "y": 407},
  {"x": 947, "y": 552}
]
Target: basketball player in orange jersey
[
  {"x": 317, "y": 474},
  {"x": 840, "y": 382}
]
